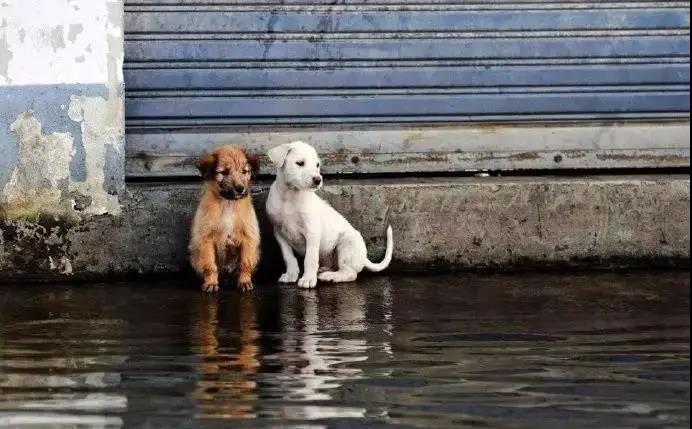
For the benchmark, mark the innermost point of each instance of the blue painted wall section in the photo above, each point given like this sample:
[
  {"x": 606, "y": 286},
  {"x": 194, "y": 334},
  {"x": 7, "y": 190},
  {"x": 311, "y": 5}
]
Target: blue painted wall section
[{"x": 50, "y": 104}]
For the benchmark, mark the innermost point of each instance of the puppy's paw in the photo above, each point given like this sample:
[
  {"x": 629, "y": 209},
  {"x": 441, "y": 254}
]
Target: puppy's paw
[
  {"x": 327, "y": 276},
  {"x": 338, "y": 276},
  {"x": 245, "y": 287},
  {"x": 210, "y": 287},
  {"x": 307, "y": 282},
  {"x": 288, "y": 277}
]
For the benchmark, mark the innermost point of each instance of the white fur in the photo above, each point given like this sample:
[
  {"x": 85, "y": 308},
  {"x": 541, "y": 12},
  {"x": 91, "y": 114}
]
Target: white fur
[{"x": 334, "y": 251}]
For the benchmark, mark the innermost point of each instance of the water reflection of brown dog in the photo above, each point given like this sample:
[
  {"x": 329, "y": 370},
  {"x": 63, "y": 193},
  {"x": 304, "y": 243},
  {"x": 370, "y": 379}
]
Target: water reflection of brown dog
[{"x": 226, "y": 389}]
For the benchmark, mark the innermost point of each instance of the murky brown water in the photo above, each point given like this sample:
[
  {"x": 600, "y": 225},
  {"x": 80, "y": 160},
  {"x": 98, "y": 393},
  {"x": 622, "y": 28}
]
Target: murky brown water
[{"x": 522, "y": 351}]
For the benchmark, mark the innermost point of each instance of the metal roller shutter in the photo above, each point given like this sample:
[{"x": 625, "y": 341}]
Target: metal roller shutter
[{"x": 410, "y": 85}]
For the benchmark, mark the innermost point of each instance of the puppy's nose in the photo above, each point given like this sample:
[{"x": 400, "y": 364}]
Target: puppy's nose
[
  {"x": 239, "y": 189},
  {"x": 317, "y": 180}
]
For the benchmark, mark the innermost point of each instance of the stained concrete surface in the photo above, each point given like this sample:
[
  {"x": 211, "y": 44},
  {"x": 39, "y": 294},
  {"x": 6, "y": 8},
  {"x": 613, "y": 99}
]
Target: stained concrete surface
[
  {"x": 528, "y": 351},
  {"x": 439, "y": 223}
]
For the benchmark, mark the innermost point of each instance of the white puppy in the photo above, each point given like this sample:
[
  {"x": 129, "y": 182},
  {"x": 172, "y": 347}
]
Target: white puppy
[{"x": 334, "y": 251}]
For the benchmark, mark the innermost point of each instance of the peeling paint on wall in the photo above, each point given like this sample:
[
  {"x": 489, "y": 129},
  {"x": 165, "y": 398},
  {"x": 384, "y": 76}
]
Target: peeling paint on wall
[
  {"x": 44, "y": 164},
  {"x": 101, "y": 129},
  {"x": 62, "y": 125},
  {"x": 50, "y": 106},
  {"x": 42, "y": 181},
  {"x": 75, "y": 30},
  {"x": 57, "y": 39},
  {"x": 44, "y": 44}
]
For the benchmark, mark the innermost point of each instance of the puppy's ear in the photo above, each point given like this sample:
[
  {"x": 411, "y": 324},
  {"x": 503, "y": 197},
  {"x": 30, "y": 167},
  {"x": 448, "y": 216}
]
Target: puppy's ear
[
  {"x": 254, "y": 162},
  {"x": 207, "y": 166},
  {"x": 278, "y": 154}
]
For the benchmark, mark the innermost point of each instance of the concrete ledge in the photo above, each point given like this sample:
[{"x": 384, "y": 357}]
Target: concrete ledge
[{"x": 450, "y": 224}]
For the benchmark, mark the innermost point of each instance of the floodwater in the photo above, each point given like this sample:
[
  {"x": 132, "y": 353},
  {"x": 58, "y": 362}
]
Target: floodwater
[{"x": 521, "y": 351}]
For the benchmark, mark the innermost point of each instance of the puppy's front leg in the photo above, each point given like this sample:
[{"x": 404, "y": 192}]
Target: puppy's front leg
[
  {"x": 204, "y": 262},
  {"x": 292, "y": 271},
  {"x": 312, "y": 260},
  {"x": 249, "y": 257}
]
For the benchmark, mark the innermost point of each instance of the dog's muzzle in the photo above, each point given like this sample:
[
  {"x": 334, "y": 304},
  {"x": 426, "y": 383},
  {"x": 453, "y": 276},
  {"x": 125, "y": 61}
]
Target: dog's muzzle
[{"x": 234, "y": 195}]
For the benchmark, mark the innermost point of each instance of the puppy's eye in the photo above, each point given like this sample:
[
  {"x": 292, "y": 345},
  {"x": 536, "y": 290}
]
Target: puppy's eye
[
  {"x": 318, "y": 165},
  {"x": 300, "y": 163},
  {"x": 246, "y": 171}
]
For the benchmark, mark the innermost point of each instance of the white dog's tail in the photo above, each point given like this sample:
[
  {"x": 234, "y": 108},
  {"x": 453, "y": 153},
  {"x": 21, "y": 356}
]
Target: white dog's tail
[{"x": 387, "y": 254}]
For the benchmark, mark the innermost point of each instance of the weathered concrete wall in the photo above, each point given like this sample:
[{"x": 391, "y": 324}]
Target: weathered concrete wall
[
  {"x": 474, "y": 223},
  {"x": 62, "y": 111}
]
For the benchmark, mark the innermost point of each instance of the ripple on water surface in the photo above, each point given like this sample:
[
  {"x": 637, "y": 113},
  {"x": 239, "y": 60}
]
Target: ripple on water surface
[{"x": 530, "y": 351}]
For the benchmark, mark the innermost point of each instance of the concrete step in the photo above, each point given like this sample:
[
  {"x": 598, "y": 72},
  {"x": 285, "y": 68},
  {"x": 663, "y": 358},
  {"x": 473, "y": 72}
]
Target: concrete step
[{"x": 439, "y": 224}]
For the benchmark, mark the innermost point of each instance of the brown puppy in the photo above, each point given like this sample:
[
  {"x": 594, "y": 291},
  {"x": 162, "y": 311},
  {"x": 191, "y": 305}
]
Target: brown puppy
[{"x": 225, "y": 231}]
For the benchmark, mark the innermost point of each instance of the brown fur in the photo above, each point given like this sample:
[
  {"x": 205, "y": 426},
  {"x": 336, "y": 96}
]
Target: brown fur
[{"x": 225, "y": 231}]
